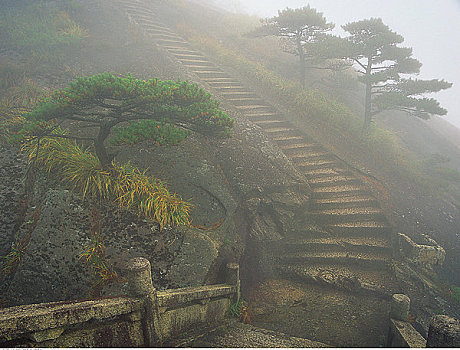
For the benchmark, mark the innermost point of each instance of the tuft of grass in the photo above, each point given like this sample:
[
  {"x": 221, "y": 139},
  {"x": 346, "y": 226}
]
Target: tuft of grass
[
  {"x": 43, "y": 32},
  {"x": 160, "y": 132},
  {"x": 94, "y": 255},
  {"x": 16, "y": 255},
  {"x": 455, "y": 293},
  {"x": 124, "y": 184},
  {"x": 10, "y": 75},
  {"x": 151, "y": 197},
  {"x": 26, "y": 94},
  {"x": 241, "y": 310}
]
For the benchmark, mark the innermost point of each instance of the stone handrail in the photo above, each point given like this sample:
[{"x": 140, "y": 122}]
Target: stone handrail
[
  {"x": 444, "y": 331},
  {"x": 174, "y": 298},
  {"x": 33, "y": 321},
  {"x": 145, "y": 318}
]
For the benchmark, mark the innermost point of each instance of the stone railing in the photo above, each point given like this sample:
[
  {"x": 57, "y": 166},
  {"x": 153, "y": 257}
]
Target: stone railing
[
  {"x": 145, "y": 318},
  {"x": 444, "y": 331}
]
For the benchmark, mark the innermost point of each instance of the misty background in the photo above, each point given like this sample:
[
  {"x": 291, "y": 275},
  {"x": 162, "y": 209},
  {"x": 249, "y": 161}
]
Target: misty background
[{"x": 430, "y": 28}]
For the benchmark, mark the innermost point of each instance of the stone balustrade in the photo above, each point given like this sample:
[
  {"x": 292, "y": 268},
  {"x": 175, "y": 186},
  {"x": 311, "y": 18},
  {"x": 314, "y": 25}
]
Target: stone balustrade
[
  {"x": 444, "y": 331},
  {"x": 145, "y": 318}
]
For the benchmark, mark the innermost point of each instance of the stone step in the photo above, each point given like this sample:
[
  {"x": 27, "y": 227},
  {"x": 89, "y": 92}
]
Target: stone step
[
  {"x": 338, "y": 191},
  {"x": 138, "y": 11},
  {"x": 237, "y": 93},
  {"x": 339, "y": 215},
  {"x": 190, "y": 62},
  {"x": 243, "y": 101},
  {"x": 287, "y": 139},
  {"x": 180, "y": 50},
  {"x": 200, "y": 68},
  {"x": 181, "y": 57},
  {"x": 325, "y": 172},
  {"x": 297, "y": 145},
  {"x": 253, "y": 108},
  {"x": 222, "y": 82},
  {"x": 267, "y": 122},
  {"x": 156, "y": 31},
  {"x": 308, "y": 165},
  {"x": 262, "y": 116},
  {"x": 210, "y": 73},
  {"x": 344, "y": 202},
  {"x": 148, "y": 22},
  {"x": 359, "y": 228},
  {"x": 231, "y": 89},
  {"x": 270, "y": 124},
  {"x": 331, "y": 179},
  {"x": 350, "y": 278},
  {"x": 354, "y": 259},
  {"x": 166, "y": 41},
  {"x": 277, "y": 129},
  {"x": 331, "y": 244},
  {"x": 338, "y": 181},
  {"x": 307, "y": 155},
  {"x": 239, "y": 98}
]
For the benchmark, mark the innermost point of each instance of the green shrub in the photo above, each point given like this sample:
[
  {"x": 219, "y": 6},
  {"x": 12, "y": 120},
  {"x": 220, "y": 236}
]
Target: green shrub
[{"x": 159, "y": 132}]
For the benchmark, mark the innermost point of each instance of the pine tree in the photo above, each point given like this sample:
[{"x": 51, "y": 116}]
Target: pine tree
[
  {"x": 384, "y": 67},
  {"x": 103, "y": 101},
  {"x": 299, "y": 27}
]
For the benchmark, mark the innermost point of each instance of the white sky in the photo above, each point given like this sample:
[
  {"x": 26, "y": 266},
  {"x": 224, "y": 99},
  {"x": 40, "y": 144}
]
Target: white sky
[{"x": 431, "y": 28}]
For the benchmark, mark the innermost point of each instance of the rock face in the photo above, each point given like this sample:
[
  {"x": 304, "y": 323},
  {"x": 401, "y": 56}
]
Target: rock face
[
  {"x": 51, "y": 269},
  {"x": 425, "y": 255},
  {"x": 12, "y": 168},
  {"x": 444, "y": 332}
]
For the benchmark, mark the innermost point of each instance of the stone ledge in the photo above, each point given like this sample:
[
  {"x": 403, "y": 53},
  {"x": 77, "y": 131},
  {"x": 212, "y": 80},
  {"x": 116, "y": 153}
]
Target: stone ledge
[
  {"x": 176, "y": 297},
  {"x": 39, "y": 317},
  {"x": 404, "y": 335}
]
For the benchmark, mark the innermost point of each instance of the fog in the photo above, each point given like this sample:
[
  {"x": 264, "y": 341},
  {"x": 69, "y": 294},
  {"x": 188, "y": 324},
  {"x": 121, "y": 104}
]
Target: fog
[{"x": 431, "y": 28}]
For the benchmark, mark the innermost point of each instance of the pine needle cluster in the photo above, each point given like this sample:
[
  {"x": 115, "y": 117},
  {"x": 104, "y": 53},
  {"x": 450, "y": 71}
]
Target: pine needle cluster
[{"x": 124, "y": 184}]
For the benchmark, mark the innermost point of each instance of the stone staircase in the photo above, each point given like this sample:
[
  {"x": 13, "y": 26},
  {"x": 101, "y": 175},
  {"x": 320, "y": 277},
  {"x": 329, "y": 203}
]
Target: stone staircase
[{"x": 353, "y": 243}]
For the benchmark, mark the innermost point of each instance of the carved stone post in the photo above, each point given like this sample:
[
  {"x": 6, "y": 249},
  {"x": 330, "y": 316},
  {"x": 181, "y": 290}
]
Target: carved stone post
[
  {"x": 139, "y": 275},
  {"x": 400, "y": 305},
  {"x": 399, "y": 311},
  {"x": 444, "y": 332},
  {"x": 233, "y": 278}
]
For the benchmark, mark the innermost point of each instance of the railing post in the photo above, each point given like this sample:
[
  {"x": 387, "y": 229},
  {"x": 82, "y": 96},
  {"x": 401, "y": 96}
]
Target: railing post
[
  {"x": 444, "y": 332},
  {"x": 399, "y": 310},
  {"x": 400, "y": 305},
  {"x": 233, "y": 278},
  {"x": 139, "y": 275}
]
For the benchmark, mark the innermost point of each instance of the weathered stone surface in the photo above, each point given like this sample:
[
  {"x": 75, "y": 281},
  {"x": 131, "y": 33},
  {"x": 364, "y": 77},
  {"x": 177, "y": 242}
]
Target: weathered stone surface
[
  {"x": 192, "y": 264},
  {"x": 51, "y": 269},
  {"x": 40, "y": 317},
  {"x": 444, "y": 332},
  {"x": 404, "y": 335},
  {"x": 12, "y": 169},
  {"x": 174, "y": 321},
  {"x": 112, "y": 335},
  {"x": 239, "y": 335},
  {"x": 47, "y": 334},
  {"x": 174, "y": 297},
  {"x": 425, "y": 255},
  {"x": 400, "y": 305},
  {"x": 139, "y": 275}
]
